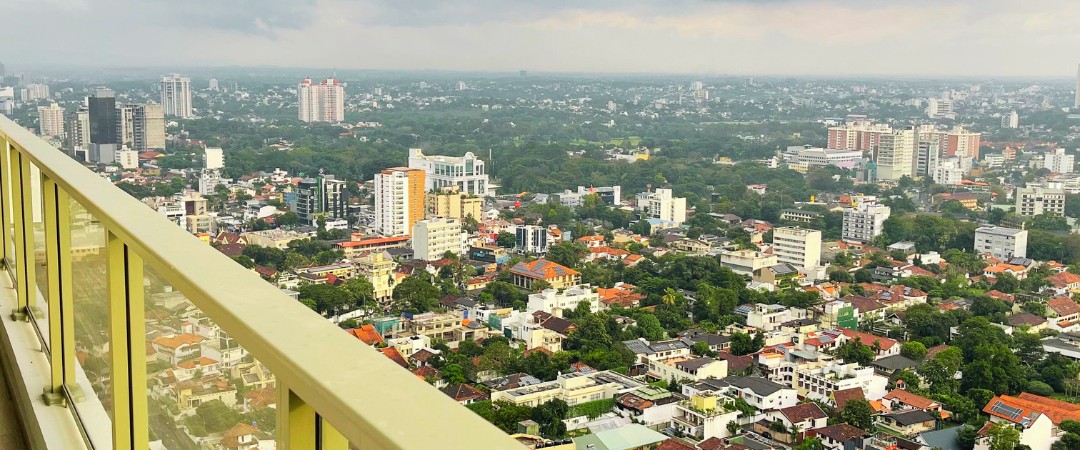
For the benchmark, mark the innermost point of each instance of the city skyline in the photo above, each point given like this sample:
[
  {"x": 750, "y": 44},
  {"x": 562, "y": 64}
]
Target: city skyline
[{"x": 687, "y": 36}]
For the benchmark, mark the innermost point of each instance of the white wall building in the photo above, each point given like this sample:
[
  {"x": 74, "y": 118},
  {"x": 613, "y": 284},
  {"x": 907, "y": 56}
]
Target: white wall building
[
  {"x": 662, "y": 205},
  {"x": 1057, "y": 161},
  {"x": 1000, "y": 242},
  {"x": 863, "y": 222},
  {"x": 817, "y": 156},
  {"x": 432, "y": 238},
  {"x": 213, "y": 158},
  {"x": 797, "y": 246},
  {"x": 467, "y": 172},
  {"x": 556, "y": 301},
  {"x": 1036, "y": 200},
  {"x": 51, "y": 120},
  {"x": 948, "y": 172},
  {"x": 746, "y": 262},
  {"x": 820, "y": 382},
  {"x": 1010, "y": 120},
  {"x": 770, "y": 317},
  {"x": 176, "y": 96},
  {"x": 895, "y": 155},
  {"x": 321, "y": 102}
]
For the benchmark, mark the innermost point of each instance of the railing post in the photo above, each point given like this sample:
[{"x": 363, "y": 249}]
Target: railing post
[
  {"x": 330, "y": 438},
  {"x": 5, "y": 200},
  {"x": 56, "y": 219},
  {"x": 23, "y": 212},
  {"x": 127, "y": 346},
  {"x": 296, "y": 428}
]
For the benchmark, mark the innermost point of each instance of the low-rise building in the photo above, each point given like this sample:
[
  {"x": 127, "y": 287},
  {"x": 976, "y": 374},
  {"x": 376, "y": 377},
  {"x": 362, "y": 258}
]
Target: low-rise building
[
  {"x": 556, "y": 301},
  {"x": 433, "y": 238},
  {"x": 746, "y": 262},
  {"x": 573, "y": 388},
  {"x": 705, "y": 416},
  {"x": 556, "y": 275}
]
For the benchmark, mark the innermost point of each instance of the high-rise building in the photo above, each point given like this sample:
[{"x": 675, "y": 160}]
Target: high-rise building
[
  {"x": 176, "y": 96},
  {"x": 1036, "y": 200},
  {"x": 149, "y": 126},
  {"x": 432, "y": 238},
  {"x": 940, "y": 108},
  {"x": 662, "y": 205},
  {"x": 103, "y": 118},
  {"x": 961, "y": 142},
  {"x": 861, "y": 135},
  {"x": 1000, "y": 242},
  {"x": 1010, "y": 120},
  {"x": 34, "y": 92},
  {"x": 213, "y": 158},
  {"x": 322, "y": 195},
  {"x": 799, "y": 247},
  {"x": 948, "y": 171},
  {"x": 1076, "y": 101},
  {"x": 863, "y": 222},
  {"x": 51, "y": 120},
  {"x": 141, "y": 126},
  {"x": 77, "y": 131},
  {"x": 1057, "y": 161},
  {"x": 467, "y": 172},
  {"x": 894, "y": 155},
  {"x": 399, "y": 200},
  {"x": 125, "y": 125},
  {"x": 213, "y": 84},
  {"x": 322, "y": 102},
  {"x": 926, "y": 160}
]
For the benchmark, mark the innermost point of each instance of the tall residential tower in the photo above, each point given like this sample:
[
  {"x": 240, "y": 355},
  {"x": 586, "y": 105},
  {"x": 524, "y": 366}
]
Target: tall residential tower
[
  {"x": 322, "y": 102},
  {"x": 176, "y": 96}
]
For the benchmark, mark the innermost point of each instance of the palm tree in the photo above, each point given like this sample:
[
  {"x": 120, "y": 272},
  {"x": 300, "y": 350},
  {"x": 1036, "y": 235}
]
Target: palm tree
[{"x": 670, "y": 295}]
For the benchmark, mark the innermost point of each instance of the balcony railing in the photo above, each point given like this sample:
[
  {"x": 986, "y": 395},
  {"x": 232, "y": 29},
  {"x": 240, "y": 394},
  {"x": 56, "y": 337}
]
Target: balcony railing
[{"x": 333, "y": 392}]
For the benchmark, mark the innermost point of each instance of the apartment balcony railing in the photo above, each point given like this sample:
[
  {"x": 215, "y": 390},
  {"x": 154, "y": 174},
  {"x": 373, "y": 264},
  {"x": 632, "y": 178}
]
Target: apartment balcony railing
[{"x": 95, "y": 282}]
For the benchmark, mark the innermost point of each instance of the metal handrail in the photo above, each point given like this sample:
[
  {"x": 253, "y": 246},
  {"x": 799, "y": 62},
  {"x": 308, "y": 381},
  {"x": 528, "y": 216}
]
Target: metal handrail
[{"x": 367, "y": 398}]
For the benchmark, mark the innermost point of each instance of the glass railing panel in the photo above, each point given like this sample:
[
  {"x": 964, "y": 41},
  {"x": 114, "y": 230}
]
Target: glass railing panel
[
  {"x": 204, "y": 389},
  {"x": 40, "y": 314},
  {"x": 92, "y": 393}
]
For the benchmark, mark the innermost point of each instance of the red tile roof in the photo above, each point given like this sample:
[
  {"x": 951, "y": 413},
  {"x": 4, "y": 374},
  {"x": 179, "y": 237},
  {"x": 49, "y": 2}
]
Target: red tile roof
[
  {"x": 1063, "y": 306},
  {"x": 367, "y": 334},
  {"x": 805, "y": 411},
  {"x": 910, "y": 399},
  {"x": 463, "y": 392},
  {"x": 395, "y": 356},
  {"x": 869, "y": 339},
  {"x": 842, "y": 396},
  {"x": 1063, "y": 279},
  {"x": 1029, "y": 405}
]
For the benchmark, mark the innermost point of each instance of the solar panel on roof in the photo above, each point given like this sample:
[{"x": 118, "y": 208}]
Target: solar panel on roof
[{"x": 1006, "y": 410}]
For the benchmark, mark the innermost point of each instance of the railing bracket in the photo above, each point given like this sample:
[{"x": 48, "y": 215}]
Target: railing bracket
[
  {"x": 76, "y": 393},
  {"x": 20, "y": 315},
  {"x": 54, "y": 398}
]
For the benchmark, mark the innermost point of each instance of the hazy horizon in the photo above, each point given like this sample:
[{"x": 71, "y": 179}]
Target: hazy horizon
[{"x": 779, "y": 38}]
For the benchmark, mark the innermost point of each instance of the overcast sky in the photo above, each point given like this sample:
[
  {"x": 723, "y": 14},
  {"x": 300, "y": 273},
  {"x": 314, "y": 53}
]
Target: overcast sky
[{"x": 789, "y": 37}]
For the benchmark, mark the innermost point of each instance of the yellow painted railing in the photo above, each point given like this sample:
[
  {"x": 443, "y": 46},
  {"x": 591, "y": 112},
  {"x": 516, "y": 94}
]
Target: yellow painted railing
[{"x": 334, "y": 392}]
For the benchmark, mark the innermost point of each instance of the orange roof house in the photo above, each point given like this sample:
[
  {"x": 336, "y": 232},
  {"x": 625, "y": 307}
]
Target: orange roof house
[
  {"x": 559, "y": 276},
  {"x": 367, "y": 334}
]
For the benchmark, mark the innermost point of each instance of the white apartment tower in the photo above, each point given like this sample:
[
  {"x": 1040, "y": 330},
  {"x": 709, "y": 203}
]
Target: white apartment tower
[
  {"x": 176, "y": 96},
  {"x": 662, "y": 205},
  {"x": 399, "y": 200},
  {"x": 432, "y": 238},
  {"x": 1076, "y": 101},
  {"x": 895, "y": 155},
  {"x": 863, "y": 222},
  {"x": 797, "y": 246},
  {"x": 51, "y": 120},
  {"x": 213, "y": 158},
  {"x": 322, "y": 102},
  {"x": 468, "y": 173},
  {"x": 1000, "y": 242},
  {"x": 1010, "y": 120},
  {"x": 1057, "y": 161},
  {"x": 1036, "y": 200}
]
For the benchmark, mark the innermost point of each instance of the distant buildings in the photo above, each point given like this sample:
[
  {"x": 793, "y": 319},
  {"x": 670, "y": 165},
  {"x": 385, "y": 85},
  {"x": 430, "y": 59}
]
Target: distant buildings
[
  {"x": 448, "y": 202},
  {"x": 662, "y": 205},
  {"x": 399, "y": 200},
  {"x": 467, "y": 173},
  {"x": 77, "y": 131},
  {"x": 141, "y": 126},
  {"x": 1010, "y": 120},
  {"x": 176, "y": 96},
  {"x": 51, "y": 120},
  {"x": 817, "y": 157},
  {"x": 1001, "y": 243},
  {"x": 321, "y": 102},
  {"x": 1036, "y": 200},
  {"x": 799, "y": 247},
  {"x": 103, "y": 126},
  {"x": 34, "y": 92},
  {"x": 863, "y": 222},
  {"x": 857, "y": 135},
  {"x": 1076, "y": 102},
  {"x": 940, "y": 108},
  {"x": 213, "y": 158}
]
